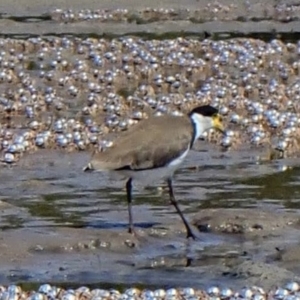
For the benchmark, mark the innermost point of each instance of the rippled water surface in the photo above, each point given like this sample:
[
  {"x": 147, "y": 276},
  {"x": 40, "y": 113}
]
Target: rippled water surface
[
  {"x": 53, "y": 190},
  {"x": 50, "y": 205}
]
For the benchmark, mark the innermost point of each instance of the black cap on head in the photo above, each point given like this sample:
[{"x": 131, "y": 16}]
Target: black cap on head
[{"x": 205, "y": 110}]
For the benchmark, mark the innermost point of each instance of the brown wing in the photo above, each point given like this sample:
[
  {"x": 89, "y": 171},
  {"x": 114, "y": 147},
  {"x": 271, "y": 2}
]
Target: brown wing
[{"x": 150, "y": 144}]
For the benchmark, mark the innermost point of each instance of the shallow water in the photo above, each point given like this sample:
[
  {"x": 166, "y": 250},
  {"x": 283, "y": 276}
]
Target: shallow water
[
  {"x": 55, "y": 192},
  {"x": 52, "y": 212}
]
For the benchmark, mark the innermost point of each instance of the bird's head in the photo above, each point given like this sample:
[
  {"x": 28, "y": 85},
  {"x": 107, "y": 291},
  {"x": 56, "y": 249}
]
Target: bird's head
[{"x": 204, "y": 118}]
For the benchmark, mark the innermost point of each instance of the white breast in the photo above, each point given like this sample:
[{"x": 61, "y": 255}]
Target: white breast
[
  {"x": 153, "y": 175},
  {"x": 176, "y": 162}
]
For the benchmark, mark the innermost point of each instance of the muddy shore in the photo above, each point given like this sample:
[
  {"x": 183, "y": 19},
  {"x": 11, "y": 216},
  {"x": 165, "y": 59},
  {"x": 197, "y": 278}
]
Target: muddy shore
[
  {"x": 241, "y": 18},
  {"x": 52, "y": 217}
]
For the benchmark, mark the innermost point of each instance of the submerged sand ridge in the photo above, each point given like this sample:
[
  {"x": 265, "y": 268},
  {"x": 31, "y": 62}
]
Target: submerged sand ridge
[{"x": 194, "y": 17}]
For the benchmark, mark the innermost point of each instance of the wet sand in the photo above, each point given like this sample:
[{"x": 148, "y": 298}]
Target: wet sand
[
  {"x": 243, "y": 17},
  {"x": 66, "y": 223}
]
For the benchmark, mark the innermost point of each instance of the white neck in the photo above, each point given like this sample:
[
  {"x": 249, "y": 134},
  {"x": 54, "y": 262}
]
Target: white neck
[{"x": 201, "y": 124}]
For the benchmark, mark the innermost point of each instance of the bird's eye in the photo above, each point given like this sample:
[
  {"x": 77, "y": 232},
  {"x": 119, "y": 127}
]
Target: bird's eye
[{"x": 218, "y": 117}]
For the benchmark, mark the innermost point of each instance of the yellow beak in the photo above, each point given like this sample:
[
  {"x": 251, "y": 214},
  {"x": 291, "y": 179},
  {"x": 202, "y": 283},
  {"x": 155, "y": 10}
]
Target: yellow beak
[{"x": 217, "y": 123}]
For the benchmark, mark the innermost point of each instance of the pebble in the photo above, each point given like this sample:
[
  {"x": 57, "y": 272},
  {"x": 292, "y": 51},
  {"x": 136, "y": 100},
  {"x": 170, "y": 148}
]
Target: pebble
[
  {"x": 284, "y": 12},
  {"x": 47, "y": 291},
  {"x": 74, "y": 105}
]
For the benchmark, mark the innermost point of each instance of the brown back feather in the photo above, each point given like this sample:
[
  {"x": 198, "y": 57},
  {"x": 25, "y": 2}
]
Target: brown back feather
[{"x": 150, "y": 144}]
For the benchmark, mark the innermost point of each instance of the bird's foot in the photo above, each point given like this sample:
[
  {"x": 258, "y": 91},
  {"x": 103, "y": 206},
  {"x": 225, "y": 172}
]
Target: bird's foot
[
  {"x": 137, "y": 235},
  {"x": 190, "y": 235},
  {"x": 132, "y": 231}
]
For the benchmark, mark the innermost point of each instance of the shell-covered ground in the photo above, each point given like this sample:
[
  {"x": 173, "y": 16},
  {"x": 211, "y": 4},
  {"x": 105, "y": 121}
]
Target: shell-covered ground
[
  {"x": 74, "y": 76},
  {"x": 72, "y": 93}
]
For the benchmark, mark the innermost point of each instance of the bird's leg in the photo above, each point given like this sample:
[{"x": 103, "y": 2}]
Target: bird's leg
[
  {"x": 129, "y": 202},
  {"x": 175, "y": 204}
]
